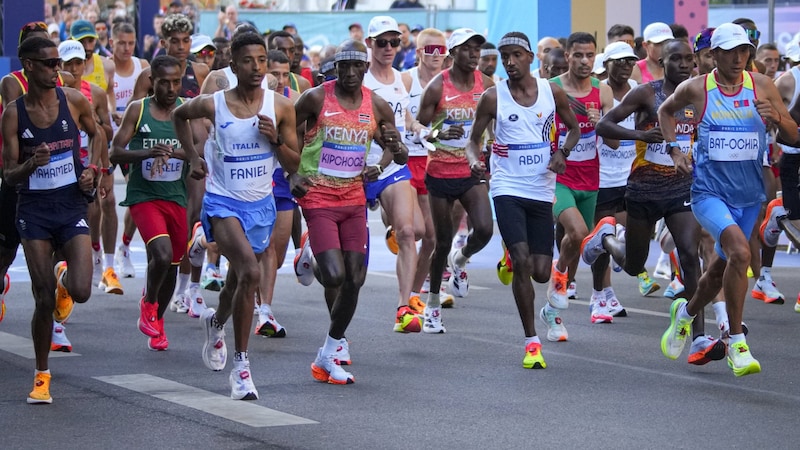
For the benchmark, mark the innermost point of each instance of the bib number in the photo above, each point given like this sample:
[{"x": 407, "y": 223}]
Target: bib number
[
  {"x": 733, "y": 143},
  {"x": 59, "y": 172}
]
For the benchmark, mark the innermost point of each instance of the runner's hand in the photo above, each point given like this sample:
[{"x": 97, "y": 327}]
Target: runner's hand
[
  {"x": 299, "y": 185},
  {"x": 41, "y": 155},
  {"x": 478, "y": 168},
  {"x": 651, "y": 136},
  {"x": 558, "y": 162},
  {"x": 681, "y": 163},
  {"x": 452, "y": 132},
  {"x": 198, "y": 169},
  {"x": 105, "y": 185},
  {"x": 267, "y": 128}
]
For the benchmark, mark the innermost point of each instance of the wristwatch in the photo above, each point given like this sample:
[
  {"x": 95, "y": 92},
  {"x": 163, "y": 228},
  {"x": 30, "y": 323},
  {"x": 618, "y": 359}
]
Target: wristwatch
[{"x": 108, "y": 170}]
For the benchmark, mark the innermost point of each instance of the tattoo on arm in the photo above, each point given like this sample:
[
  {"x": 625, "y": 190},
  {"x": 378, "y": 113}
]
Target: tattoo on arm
[{"x": 222, "y": 82}]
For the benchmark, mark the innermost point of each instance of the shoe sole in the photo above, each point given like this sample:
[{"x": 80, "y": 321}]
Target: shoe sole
[
  {"x": 602, "y": 319},
  {"x": 36, "y": 401},
  {"x": 113, "y": 290},
  {"x": 61, "y": 348},
  {"x": 651, "y": 290},
  {"x": 673, "y": 311},
  {"x": 595, "y": 231},
  {"x": 268, "y": 330},
  {"x": 621, "y": 313},
  {"x": 56, "y": 315},
  {"x": 322, "y": 375},
  {"x": 767, "y": 215},
  {"x": 758, "y": 295},
  {"x": 534, "y": 365},
  {"x": 448, "y": 303},
  {"x": 391, "y": 241},
  {"x": 713, "y": 353},
  {"x": 248, "y": 396},
  {"x": 754, "y": 367}
]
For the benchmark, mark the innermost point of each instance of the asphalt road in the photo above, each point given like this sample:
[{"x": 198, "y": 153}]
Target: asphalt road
[{"x": 607, "y": 387}]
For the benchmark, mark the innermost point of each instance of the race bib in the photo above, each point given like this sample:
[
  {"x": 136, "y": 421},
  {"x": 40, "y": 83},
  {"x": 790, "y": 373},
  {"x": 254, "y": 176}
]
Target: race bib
[
  {"x": 172, "y": 171},
  {"x": 528, "y": 159},
  {"x": 586, "y": 149},
  {"x": 59, "y": 172},
  {"x": 659, "y": 153},
  {"x": 619, "y": 159},
  {"x": 732, "y": 143},
  {"x": 249, "y": 172},
  {"x": 341, "y": 161},
  {"x": 462, "y": 141}
]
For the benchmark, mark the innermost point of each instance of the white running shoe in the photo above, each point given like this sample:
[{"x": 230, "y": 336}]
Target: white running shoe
[
  {"x": 342, "y": 354},
  {"x": 663, "y": 268},
  {"x": 179, "y": 303},
  {"x": 59, "y": 342},
  {"x": 614, "y": 306},
  {"x": 572, "y": 291},
  {"x": 325, "y": 369},
  {"x": 215, "y": 353},
  {"x": 304, "y": 262},
  {"x": 242, "y": 387},
  {"x": 97, "y": 262},
  {"x": 196, "y": 303},
  {"x": 267, "y": 325},
  {"x": 433, "y": 321},
  {"x": 123, "y": 263},
  {"x": 459, "y": 241},
  {"x": 556, "y": 331},
  {"x": 196, "y": 252},
  {"x": 599, "y": 312},
  {"x": 459, "y": 281}
]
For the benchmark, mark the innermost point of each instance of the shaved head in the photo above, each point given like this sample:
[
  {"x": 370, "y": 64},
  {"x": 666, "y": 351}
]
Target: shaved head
[{"x": 544, "y": 46}]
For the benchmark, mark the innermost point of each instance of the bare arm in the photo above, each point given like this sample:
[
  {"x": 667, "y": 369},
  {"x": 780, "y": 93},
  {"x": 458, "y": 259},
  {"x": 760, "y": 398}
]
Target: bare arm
[
  {"x": 772, "y": 109},
  {"x": 200, "y": 72},
  {"x": 10, "y": 89},
  {"x": 558, "y": 159},
  {"x": 108, "y": 67},
  {"x": 98, "y": 145},
  {"x": 13, "y": 172},
  {"x": 607, "y": 103},
  {"x": 387, "y": 134},
  {"x": 485, "y": 112},
  {"x": 126, "y": 131},
  {"x": 288, "y": 152},
  {"x": 215, "y": 81},
  {"x": 640, "y": 99},
  {"x": 196, "y": 108},
  {"x": 688, "y": 92},
  {"x": 143, "y": 85},
  {"x": 430, "y": 98},
  {"x": 101, "y": 109}
]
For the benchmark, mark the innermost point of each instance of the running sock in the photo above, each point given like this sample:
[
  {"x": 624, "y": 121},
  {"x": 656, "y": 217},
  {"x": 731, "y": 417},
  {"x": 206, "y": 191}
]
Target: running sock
[
  {"x": 193, "y": 285},
  {"x": 183, "y": 281},
  {"x": 265, "y": 308},
  {"x": 721, "y": 314},
  {"x": 433, "y": 300},
  {"x": 414, "y": 294},
  {"x": 330, "y": 345},
  {"x": 766, "y": 273},
  {"x": 609, "y": 291},
  {"x": 126, "y": 240},
  {"x": 37, "y": 372},
  {"x": 532, "y": 340},
  {"x": 109, "y": 257},
  {"x": 240, "y": 357},
  {"x": 96, "y": 246},
  {"x": 735, "y": 338},
  {"x": 460, "y": 260},
  {"x": 598, "y": 294}
]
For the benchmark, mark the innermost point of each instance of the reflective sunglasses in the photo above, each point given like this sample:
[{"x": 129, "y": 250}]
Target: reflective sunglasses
[
  {"x": 49, "y": 62},
  {"x": 624, "y": 61},
  {"x": 206, "y": 53},
  {"x": 30, "y": 28},
  {"x": 753, "y": 34},
  {"x": 434, "y": 50},
  {"x": 381, "y": 43}
]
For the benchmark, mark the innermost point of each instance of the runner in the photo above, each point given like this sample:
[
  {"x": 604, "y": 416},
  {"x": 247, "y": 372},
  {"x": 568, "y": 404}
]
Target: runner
[
  {"x": 448, "y": 104},
  {"x": 41, "y": 159},
  {"x": 654, "y": 36},
  {"x": 524, "y": 172},
  {"x": 285, "y": 42},
  {"x": 251, "y": 126},
  {"x": 554, "y": 64},
  {"x": 543, "y": 47},
  {"x": 728, "y": 188},
  {"x": 341, "y": 117}
]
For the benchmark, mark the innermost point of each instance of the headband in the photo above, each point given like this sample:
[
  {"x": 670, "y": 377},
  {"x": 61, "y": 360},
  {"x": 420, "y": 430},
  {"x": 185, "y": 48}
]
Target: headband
[
  {"x": 489, "y": 52},
  {"x": 514, "y": 41},
  {"x": 351, "y": 55},
  {"x": 327, "y": 67}
]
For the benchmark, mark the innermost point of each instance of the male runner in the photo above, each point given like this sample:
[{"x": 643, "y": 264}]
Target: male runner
[
  {"x": 543, "y": 47},
  {"x": 728, "y": 188},
  {"x": 341, "y": 118},
  {"x": 251, "y": 126},
  {"x": 524, "y": 172},
  {"x": 654, "y": 36},
  {"x": 41, "y": 159},
  {"x": 285, "y": 42},
  {"x": 488, "y": 62},
  {"x": 769, "y": 55},
  {"x": 448, "y": 105}
]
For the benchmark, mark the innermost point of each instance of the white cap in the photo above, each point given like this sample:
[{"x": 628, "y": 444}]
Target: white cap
[
  {"x": 201, "y": 41},
  {"x": 729, "y": 36},
  {"x": 71, "y": 49},
  {"x": 793, "y": 51},
  {"x": 461, "y": 36},
  {"x": 657, "y": 32},
  {"x": 382, "y": 24},
  {"x": 619, "y": 50},
  {"x": 53, "y": 28},
  {"x": 598, "y": 63}
]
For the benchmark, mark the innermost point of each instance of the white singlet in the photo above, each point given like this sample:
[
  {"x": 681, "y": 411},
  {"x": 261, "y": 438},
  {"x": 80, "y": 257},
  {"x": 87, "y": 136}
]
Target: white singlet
[
  {"x": 795, "y": 72},
  {"x": 414, "y": 97},
  {"x": 395, "y": 94},
  {"x": 123, "y": 89},
  {"x": 615, "y": 165}
]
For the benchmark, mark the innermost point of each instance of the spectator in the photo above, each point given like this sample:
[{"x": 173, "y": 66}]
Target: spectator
[
  {"x": 415, "y": 31},
  {"x": 356, "y": 32},
  {"x": 175, "y": 7},
  {"x": 401, "y": 4},
  {"x": 227, "y": 22},
  {"x": 103, "y": 48},
  {"x": 70, "y": 12},
  {"x": 223, "y": 56},
  {"x": 152, "y": 44},
  {"x": 341, "y": 5},
  {"x": 406, "y": 57},
  {"x": 52, "y": 31}
]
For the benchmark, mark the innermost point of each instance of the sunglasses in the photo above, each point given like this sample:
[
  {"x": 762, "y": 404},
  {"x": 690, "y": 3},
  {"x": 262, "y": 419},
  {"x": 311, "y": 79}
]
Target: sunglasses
[
  {"x": 381, "y": 43},
  {"x": 206, "y": 53},
  {"x": 31, "y": 26},
  {"x": 434, "y": 50},
  {"x": 624, "y": 62},
  {"x": 753, "y": 34},
  {"x": 49, "y": 62}
]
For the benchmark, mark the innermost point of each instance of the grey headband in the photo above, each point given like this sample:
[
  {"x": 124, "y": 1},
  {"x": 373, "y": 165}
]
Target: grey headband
[
  {"x": 327, "y": 67},
  {"x": 514, "y": 41},
  {"x": 489, "y": 52},
  {"x": 351, "y": 55}
]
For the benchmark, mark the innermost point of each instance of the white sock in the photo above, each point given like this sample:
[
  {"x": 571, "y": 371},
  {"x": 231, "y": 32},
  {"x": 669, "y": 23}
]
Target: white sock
[
  {"x": 109, "y": 257},
  {"x": 193, "y": 285},
  {"x": 683, "y": 314},
  {"x": 266, "y": 309},
  {"x": 721, "y": 314},
  {"x": 36, "y": 372},
  {"x": 597, "y": 294},
  {"x": 609, "y": 292},
  {"x": 183, "y": 281},
  {"x": 414, "y": 294},
  {"x": 766, "y": 273},
  {"x": 532, "y": 340},
  {"x": 735, "y": 338},
  {"x": 330, "y": 345},
  {"x": 433, "y": 300},
  {"x": 460, "y": 260}
]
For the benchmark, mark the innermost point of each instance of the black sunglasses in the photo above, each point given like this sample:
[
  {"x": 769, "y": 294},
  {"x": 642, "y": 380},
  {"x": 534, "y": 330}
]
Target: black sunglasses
[
  {"x": 381, "y": 43},
  {"x": 49, "y": 62}
]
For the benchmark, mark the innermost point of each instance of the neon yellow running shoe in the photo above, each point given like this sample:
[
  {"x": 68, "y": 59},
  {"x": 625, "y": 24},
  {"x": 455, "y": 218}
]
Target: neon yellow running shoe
[
  {"x": 674, "y": 339},
  {"x": 741, "y": 361},
  {"x": 533, "y": 357}
]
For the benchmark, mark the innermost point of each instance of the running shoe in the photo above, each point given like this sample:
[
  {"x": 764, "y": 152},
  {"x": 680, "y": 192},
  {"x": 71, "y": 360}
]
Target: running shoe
[
  {"x": 196, "y": 303},
  {"x": 148, "y": 316},
  {"x": 110, "y": 283},
  {"x": 663, "y": 269},
  {"x": 598, "y": 310},
  {"x": 572, "y": 291},
  {"x": 215, "y": 353},
  {"x": 123, "y": 263},
  {"x": 179, "y": 303},
  {"x": 766, "y": 291},
  {"x": 797, "y": 305},
  {"x": 417, "y": 305},
  {"x": 59, "y": 341},
  {"x": 268, "y": 326},
  {"x": 6, "y": 286},
  {"x": 705, "y": 349},
  {"x": 212, "y": 280},
  {"x": 97, "y": 266},
  {"x": 750, "y": 273},
  {"x": 446, "y": 300},
  {"x": 647, "y": 285},
  {"x": 303, "y": 262},
  {"x": 194, "y": 248},
  {"x": 325, "y": 369},
  {"x": 459, "y": 281},
  {"x": 459, "y": 240},
  {"x": 242, "y": 387},
  {"x": 741, "y": 361},
  {"x": 674, "y": 339},
  {"x": 41, "y": 389},
  {"x": 407, "y": 321},
  {"x": 433, "y": 321},
  {"x": 159, "y": 343},
  {"x": 592, "y": 244},
  {"x": 391, "y": 240},
  {"x": 64, "y": 303},
  {"x": 342, "y": 354},
  {"x": 674, "y": 289},
  {"x": 557, "y": 289},
  {"x": 533, "y": 357},
  {"x": 614, "y": 306},
  {"x": 770, "y": 230},
  {"x": 505, "y": 271},
  {"x": 556, "y": 331}
]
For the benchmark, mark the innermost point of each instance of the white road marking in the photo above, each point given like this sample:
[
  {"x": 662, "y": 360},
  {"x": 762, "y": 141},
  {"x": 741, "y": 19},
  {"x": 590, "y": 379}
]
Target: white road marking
[
  {"x": 639, "y": 311},
  {"x": 24, "y": 347},
  {"x": 391, "y": 275},
  {"x": 244, "y": 412}
]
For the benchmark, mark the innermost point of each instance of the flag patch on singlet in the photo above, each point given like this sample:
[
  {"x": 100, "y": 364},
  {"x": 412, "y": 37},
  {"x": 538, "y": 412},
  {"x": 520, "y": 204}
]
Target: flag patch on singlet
[
  {"x": 741, "y": 103},
  {"x": 363, "y": 118},
  {"x": 476, "y": 97},
  {"x": 688, "y": 113}
]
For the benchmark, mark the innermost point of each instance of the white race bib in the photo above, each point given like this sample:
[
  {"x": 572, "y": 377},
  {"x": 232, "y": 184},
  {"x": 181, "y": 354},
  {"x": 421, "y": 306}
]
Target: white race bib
[
  {"x": 341, "y": 161},
  {"x": 586, "y": 149},
  {"x": 59, "y": 172},
  {"x": 659, "y": 153},
  {"x": 250, "y": 172},
  {"x": 732, "y": 143},
  {"x": 528, "y": 159},
  {"x": 171, "y": 172}
]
